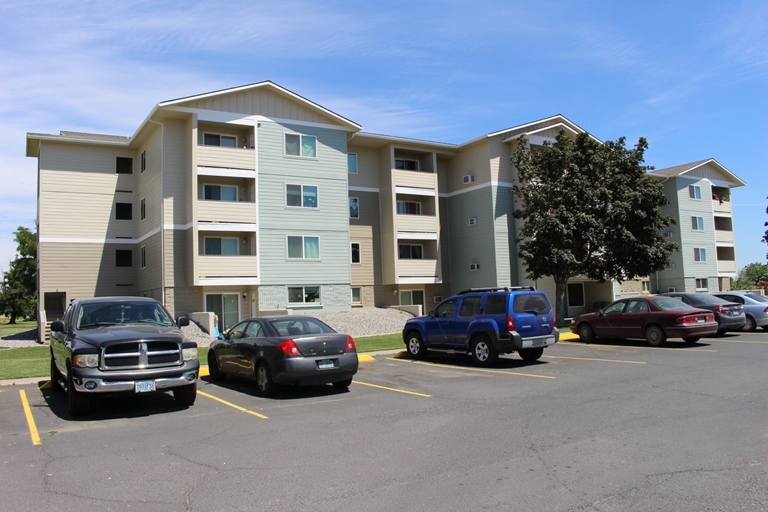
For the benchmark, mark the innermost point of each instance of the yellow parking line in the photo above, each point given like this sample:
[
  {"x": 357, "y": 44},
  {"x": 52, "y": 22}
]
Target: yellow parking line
[
  {"x": 636, "y": 346},
  {"x": 30, "y": 420},
  {"x": 476, "y": 369},
  {"x": 364, "y": 357},
  {"x": 391, "y": 389},
  {"x": 203, "y": 372},
  {"x": 48, "y": 385},
  {"x": 594, "y": 359},
  {"x": 241, "y": 409}
]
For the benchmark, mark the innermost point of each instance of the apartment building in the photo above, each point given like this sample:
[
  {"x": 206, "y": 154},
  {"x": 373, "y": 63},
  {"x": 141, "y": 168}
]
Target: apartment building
[{"x": 254, "y": 199}]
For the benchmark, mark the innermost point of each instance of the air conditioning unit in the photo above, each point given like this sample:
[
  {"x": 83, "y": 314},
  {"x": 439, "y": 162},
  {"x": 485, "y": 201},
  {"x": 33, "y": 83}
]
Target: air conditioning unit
[
  {"x": 474, "y": 266},
  {"x": 469, "y": 178},
  {"x": 471, "y": 221},
  {"x": 437, "y": 298}
]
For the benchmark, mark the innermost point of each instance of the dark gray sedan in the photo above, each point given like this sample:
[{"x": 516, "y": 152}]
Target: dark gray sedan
[
  {"x": 729, "y": 315},
  {"x": 292, "y": 350}
]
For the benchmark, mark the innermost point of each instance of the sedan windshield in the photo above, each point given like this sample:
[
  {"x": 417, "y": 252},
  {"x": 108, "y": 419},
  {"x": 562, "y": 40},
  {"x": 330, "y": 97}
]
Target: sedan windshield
[
  {"x": 668, "y": 303},
  {"x": 99, "y": 314}
]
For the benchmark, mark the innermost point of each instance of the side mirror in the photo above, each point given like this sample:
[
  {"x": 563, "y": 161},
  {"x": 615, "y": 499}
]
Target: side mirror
[
  {"x": 183, "y": 321},
  {"x": 57, "y": 326},
  {"x": 600, "y": 312}
]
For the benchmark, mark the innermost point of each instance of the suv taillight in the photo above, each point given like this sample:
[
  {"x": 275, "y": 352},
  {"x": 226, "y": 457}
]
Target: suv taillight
[
  {"x": 289, "y": 348},
  {"x": 510, "y": 323}
]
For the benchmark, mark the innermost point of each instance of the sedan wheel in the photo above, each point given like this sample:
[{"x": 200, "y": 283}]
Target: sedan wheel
[
  {"x": 586, "y": 334},
  {"x": 483, "y": 353},
  {"x": 264, "y": 384},
  {"x": 655, "y": 336},
  {"x": 213, "y": 368},
  {"x": 342, "y": 384},
  {"x": 691, "y": 339},
  {"x": 750, "y": 325}
]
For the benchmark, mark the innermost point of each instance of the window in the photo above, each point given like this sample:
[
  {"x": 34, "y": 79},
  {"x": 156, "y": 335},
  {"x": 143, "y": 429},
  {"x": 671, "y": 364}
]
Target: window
[
  {"x": 697, "y": 223},
  {"x": 123, "y": 211},
  {"x": 55, "y": 303},
  {"x": 123, "y": 258},
  {"x": 220, "y": 246},
  {"x": 699, "y": 254},
  {"x": 144, "y": 160},
  {"x": 357, "y": 297},
  {"x": 411, "y": 252},
  {"x": 575, "y": 294},
  {"x": 304, "y": 247},
  {"x": 354, "y": 208},
  {"x": 219, "y": 193},
  {"x": 701, "y": 285},
  {"x": 414, "y": 298},
  {"x": 215, "y": 139},
  {"x": 496, "y": 305},
  {"x": 300, "y": 145},
  {"x": 638, "y": 306},
  {"x": 301, "y": 196},
  {"x": 352, "y": 163},
  {"x": 143, "y": 256},
  {"x": 646, "y": 286},
  {"x": 304, "y": 294},
  {"x": 446, "y": 309},
  {"x": 143, "y": 208},
  {"x": 408, "y": 208},
  {"x": 470, "y": 306},
  {"x": 694, "y": 191},
  {"x": 124, "y": 165},
  {"x": 616, "y": 307},
  {"x": 355, "y": 250},
  {"x": 408, "y": 165}
]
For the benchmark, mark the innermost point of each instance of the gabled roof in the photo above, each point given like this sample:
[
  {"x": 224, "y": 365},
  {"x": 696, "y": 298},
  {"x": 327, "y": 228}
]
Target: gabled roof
[
  {"x": 274, "y": 88},
  {"x": 529, "y": 128},
  {"x": 692, "y": 168},
  {"x": 34, "y": 139}
]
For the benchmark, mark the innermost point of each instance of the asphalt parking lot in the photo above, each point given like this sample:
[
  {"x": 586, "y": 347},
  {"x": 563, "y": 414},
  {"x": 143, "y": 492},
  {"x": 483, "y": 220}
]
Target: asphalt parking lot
[{"x": 611, "y": 426}]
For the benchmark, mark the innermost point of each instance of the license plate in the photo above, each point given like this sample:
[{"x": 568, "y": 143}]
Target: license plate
[
  {"x": 325, "y": 364},
  {"x": 540, "y": 343},
  {"x": 700, "y": 320},
  {"x": 145, "y": 386}
]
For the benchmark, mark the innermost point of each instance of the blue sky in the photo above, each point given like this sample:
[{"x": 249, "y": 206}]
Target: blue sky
[{"x": 689, "y": 76}]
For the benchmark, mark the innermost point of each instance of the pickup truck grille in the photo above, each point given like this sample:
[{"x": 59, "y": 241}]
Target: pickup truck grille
[{"x": 141, "y": 354}]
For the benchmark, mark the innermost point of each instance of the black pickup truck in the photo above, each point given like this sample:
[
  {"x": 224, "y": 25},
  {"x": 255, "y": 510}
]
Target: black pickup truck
[{"x": 127, "y": 345}]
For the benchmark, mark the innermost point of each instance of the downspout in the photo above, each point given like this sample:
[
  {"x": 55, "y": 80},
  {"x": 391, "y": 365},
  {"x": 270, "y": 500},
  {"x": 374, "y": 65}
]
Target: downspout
[{"x": 162, "y": 210}]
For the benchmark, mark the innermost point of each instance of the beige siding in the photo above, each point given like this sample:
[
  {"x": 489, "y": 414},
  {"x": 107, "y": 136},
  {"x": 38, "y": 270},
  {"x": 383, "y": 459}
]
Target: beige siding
[
  {"x": 366, "y": 231},
  {"x": 417, "y": 223},
  {"x": 227, "y": 266},
  {"x": 415, "y": 179},
  {"x": 226, "y": 211},
  {"x": 149, "y": 277},
  {"x": 387, "y": 209},
  {"x": 368, "y": 167},
  {"x": 471, "y": 160},
  {"x": 227, "y": 158}
]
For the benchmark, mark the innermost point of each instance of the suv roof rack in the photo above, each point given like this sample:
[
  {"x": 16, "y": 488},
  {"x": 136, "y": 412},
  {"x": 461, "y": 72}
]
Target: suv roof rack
[{"x": 496, "y": 289}]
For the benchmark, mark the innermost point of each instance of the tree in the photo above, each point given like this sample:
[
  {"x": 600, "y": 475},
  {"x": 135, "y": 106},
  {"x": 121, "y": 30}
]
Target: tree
[
  {"x": 765, "y": 238},
  {"x": 754, "y": 275},
  {"x": 589, "y": 209},
  {"x": 18, "y": 290}
]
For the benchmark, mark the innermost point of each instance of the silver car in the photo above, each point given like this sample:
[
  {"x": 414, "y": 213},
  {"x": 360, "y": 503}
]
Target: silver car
[{"x": 755, "y": 307}]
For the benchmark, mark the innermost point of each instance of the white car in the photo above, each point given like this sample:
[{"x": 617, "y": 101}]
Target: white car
[{"x": 755, "y": 307}]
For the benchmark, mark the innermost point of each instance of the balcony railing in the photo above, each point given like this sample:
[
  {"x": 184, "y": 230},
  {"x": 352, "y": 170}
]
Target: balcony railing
[
  {"x": 723, "y": 236},
  {"x": 417, "y": 268},
  {"x": 226, "y": 211},
  {"x": 226, "y": 266},
  {"x": 724, "y": 206},
  {"x": 726, "y": 266},
  {"x": 415, "y": 179},
  {"x": 416, "y": 223},
  {"x": 227, "y": 158}
]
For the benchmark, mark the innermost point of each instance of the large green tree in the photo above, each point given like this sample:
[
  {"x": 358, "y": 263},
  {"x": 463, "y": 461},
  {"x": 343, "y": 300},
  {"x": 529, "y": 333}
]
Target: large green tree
[
  {"x": 754, "y": 275},
  {"x": 765, "y": 238},
  {"x": 18, "y": 290},
  {"x": 589, "y": 209}
]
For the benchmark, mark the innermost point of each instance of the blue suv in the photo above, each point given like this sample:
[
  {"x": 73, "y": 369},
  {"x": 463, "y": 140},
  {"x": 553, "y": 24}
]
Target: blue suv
[{"x": 484, "y": 323}]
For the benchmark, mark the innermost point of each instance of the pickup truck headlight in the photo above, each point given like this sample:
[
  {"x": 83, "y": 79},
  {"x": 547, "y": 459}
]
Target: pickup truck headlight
[
  {"x": 189, "y": 354},
  {"x": 86, "y": 360}
]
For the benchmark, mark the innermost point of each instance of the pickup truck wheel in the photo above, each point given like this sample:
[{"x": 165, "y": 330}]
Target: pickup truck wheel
[
  {"x": 586, "y": 334},
  {"x": 691, "y": 339},
  {"x": 54, "y": 375},
  {"x": 77, "y": 403},
  {"x": 531, "y": 354},
  {"x": 185, "y": 395},
  {"x": 483, "y": 352},
  {"x": 415, "y": 345},
  {"x": 655, "y": 336},
  {"x": 213, "y": 368},
  {"x": 264, "y": 384},
  {"x": 342, "y": 384}
]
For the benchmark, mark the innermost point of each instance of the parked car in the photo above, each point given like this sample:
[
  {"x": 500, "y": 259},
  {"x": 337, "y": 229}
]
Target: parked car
[
  {"x": 652, "y": 317},
  {"x": 485, "y": 322},
  {"x": 729, "y": 315},
  {"x": 293, "y": 349},
  {"x": 755, "y": 307},
  {"x": 125, "y": 345}
]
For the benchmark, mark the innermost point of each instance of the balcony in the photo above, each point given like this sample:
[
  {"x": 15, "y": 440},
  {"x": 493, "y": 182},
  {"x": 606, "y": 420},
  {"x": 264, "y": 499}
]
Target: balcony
[
  {"x": 226, "y": 266},
  {"x": 724, "y": 236},
  {"x": 226, "y": 158},
  {"x": 416, "y": 223},
  {"x": 236, "y": 212},
  {"x": 415, "y": 179},
  {"x": 418, "y": 268},
  {"x": 721, "y": 207},
  {"x": 726, "y": 267}
]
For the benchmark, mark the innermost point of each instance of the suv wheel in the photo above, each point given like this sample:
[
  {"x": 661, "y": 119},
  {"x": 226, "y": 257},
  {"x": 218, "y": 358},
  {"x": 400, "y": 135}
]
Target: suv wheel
[
  {"x": 483, "y": 353},
  {"x": 415, "y": 345},
  {"x": 531, "y": 354}
]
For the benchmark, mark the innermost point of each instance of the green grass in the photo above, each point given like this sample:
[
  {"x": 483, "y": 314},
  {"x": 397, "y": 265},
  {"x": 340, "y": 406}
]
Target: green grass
[
  {"x": 20, "y": 363},
  {"x": 7, "y": 329}
]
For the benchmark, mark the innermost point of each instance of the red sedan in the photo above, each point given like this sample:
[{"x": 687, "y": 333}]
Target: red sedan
[{"x": 652, "y": 317}]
